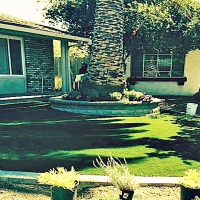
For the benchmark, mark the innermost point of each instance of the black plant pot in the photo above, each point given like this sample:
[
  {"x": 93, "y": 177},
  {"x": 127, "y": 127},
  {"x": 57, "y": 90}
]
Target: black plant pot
[
  {"x": 126, "y": 195},
  {"x": 59, "y": 193},
  {"x": 188, "y": 193}
]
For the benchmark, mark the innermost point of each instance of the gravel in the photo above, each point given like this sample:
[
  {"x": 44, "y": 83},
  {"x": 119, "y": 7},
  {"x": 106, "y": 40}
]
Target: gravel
[
  {"x": 142, "y": 193},
  {"x": 40, "y": 192}
]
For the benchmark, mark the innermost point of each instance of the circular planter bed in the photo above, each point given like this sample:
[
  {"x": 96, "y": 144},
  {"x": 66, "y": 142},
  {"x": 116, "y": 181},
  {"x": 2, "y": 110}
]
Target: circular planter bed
[{"x": 103, "y": 108}]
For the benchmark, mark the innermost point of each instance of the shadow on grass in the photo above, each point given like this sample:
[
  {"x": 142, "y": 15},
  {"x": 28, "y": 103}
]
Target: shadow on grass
[
  {"x": 185, "y": 146},
  {"x": 28, "y": 188},
  {"x": 36, "y": 138}
]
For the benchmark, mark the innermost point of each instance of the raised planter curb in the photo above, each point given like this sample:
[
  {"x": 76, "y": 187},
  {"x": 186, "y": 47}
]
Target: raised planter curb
[
  {"x": 30, "y": 178},
  {"x": 103, "y": 108}
]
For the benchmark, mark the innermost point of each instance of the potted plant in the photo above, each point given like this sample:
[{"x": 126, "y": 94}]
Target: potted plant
[
  {"x": 64, "y": 183},
  {"x": 190, "y": 185},
  {"x": 119, "y": 175}
]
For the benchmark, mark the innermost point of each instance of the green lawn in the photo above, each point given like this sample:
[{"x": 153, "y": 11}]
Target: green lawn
[{"x": 33, "y": 137}]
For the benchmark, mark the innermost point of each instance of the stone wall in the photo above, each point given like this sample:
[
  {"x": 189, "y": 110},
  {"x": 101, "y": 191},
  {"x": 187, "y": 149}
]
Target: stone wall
[
  {"x": 103, "y": 108},
  {"x": 39, "y": 64}
]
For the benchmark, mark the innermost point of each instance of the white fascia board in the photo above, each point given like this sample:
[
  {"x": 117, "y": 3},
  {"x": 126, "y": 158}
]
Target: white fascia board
[{"x": 54, "y": 35}]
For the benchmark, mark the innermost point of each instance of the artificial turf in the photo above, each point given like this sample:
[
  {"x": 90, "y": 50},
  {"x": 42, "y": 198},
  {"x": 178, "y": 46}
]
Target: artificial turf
[{"x": 34, "y": 137}]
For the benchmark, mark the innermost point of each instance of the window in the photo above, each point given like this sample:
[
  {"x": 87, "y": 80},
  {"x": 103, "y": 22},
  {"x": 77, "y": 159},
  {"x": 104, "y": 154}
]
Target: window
[
  {"x": 158, "y": 65},
  {"x": 10, "y": 56}
]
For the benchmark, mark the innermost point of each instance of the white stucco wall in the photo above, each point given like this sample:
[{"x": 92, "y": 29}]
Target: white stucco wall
[{"x": 192, "y": 72}]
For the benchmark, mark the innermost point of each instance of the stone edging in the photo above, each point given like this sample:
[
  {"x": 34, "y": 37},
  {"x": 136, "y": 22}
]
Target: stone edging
[{"x": 103, "y": 108}]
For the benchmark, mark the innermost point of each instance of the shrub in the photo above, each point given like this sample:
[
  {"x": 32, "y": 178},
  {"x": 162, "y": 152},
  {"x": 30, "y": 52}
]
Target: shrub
[
  {"x": 92, "y": 95},
  {"x": 118, "y": 173},
  {"x": 103, "y": 90},
  {"x": 133, "y": 94},
  {"x": 130, "y": 93},
  {"x": 116, "y": 96},
  {"x": 138, "y": 95},
  {"x": 146, "y": 98},
  {"x": 191, "y": 179},
  {"x": 60, "y": 177},
  {"x": 155, "y": 112},
  {"x": 72, "y": 95}
]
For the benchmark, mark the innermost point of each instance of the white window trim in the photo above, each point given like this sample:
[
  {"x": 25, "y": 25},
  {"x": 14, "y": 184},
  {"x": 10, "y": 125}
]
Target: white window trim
[
  {"x": 143, "y": 70},
  {"x": 22, "y": 56}
]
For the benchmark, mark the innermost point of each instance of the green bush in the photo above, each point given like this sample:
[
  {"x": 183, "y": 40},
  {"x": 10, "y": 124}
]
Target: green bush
[
  {"x": 191, "y": 179},
  {"x": 92, "y": 95},
  {"x": 72, "y": 95},
  {"x": 133, "y": 94},
  {"x": 137, "y": 96},
  {"x": 103, "y": 90},
  {"x": 116, "y": 96},
  {"x": 129, "y": 93},
  {"x": 118, "y": 172}
]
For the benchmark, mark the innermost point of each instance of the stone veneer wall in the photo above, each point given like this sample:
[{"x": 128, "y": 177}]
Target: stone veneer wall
[{"x": 39, "y": 64}]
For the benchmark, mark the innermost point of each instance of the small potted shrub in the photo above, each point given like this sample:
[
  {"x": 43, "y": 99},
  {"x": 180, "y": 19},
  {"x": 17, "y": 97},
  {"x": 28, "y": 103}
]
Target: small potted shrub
[
  {"x": 190, "y": 185},
  {"x": 64, "y": 183},
  {"x": 119, "y": 175}
]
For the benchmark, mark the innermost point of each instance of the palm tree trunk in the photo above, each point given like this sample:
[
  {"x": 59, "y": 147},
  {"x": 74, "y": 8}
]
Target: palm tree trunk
[{"x": 106, "y": 72}]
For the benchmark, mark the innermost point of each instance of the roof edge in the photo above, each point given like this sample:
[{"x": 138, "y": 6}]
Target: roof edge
[{"x": 61, "y": 36}]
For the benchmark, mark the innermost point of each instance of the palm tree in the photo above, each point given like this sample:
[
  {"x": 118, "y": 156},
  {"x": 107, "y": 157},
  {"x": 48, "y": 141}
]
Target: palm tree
[{"x": 106, "y": 72}]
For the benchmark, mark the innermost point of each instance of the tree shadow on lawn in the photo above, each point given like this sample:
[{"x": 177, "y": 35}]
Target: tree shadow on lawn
[
  {"x": 185, "y": 146},
  {"x": 36, "y": 138},
  {"x": 32, "y": 137}
]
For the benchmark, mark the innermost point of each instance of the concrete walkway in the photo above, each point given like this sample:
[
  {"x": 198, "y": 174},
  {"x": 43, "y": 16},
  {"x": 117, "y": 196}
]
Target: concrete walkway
[
  {"x": 25, "y": 98},
  {"x": 31, "y": 178}
]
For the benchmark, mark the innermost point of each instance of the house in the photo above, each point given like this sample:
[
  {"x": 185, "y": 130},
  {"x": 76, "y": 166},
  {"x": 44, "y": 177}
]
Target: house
[
  {"x": 27, "y": 63},
  {"x": 26, "y": 56},
  {"x": 165, "y": 74}
]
